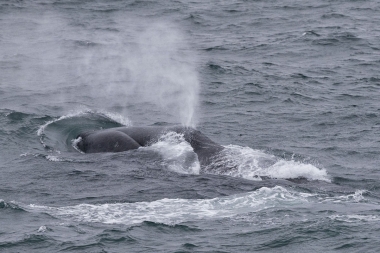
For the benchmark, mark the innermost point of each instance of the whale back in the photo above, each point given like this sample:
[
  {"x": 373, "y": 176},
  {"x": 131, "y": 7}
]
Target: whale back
[
  {"x": 203, "y": 146},
  {"x": 127, "y": 138},
  {"x": 106, "y": 141}
]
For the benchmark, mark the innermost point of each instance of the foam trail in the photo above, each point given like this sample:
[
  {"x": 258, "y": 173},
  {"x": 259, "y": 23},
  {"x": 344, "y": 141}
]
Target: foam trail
[
  {"x": 355, "y": 218},
  {"x": 174, "y": 211},
  {"x": 349, "y": 208}
]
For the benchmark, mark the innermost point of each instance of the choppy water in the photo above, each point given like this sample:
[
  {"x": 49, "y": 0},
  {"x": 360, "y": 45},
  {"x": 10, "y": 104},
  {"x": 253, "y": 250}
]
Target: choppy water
[{"x": 290, "y": 88}]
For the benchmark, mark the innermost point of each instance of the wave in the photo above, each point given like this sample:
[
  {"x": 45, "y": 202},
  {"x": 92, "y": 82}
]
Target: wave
[
  {"x": 174, "y": 211},
  {"x": 353, "y": 218},
  {"x": 10, "y": 205},
  {"x": 58, "y": 134},
  {"x": 111, "y": 116}
]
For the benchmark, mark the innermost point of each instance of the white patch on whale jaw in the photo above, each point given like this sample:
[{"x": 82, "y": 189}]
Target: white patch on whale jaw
[{"x": 75, "y": 142}]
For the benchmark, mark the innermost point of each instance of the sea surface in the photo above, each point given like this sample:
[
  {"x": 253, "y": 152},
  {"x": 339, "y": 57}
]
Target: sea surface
[{"x": 291, "y": 88}]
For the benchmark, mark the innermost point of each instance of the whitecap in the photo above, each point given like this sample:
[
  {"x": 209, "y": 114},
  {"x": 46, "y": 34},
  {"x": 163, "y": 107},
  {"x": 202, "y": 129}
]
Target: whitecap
[
  {"x": 355, "y": 197},
  {"x": 42, "y": 229},
  {"x": 351, "y": 218},
  {"x": 54, "y": 158}
]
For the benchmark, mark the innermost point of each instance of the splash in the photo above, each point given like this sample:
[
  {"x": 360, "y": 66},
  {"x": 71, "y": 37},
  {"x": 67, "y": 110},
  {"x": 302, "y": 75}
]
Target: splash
[
  {"x": 253, "y": 164},
  {"x": 234, "y": 161},
  {"x": 177, "y": 153}
]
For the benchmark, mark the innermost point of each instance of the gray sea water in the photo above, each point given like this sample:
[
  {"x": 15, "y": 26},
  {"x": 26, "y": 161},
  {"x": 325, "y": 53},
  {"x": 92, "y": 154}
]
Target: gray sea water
[{"x": 290, "y": 88}]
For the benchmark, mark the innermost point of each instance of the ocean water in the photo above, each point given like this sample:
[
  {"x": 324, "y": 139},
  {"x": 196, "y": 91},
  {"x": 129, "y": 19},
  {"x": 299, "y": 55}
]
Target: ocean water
[{"x": 290, "y": 88}]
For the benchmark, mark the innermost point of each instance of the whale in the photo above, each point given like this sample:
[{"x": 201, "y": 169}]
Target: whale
[{"x": 121, "y": 139}]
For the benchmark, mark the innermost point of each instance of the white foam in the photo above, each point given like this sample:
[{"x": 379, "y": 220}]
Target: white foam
[
  {"x": 174, "y": 211},
  {"x": 54, "y": 158},
  {"x": 74, "y": 144},
  {"x": 294, "y": 169},
  {"x": 354, "y": 197},
  {"x": 253, "y": 164},
  {"x": 42, "y": 229},
  {"x": 177, "y": 153},
  {"x": 351, "y": 218},
  {"x": 235, "y": 161}
]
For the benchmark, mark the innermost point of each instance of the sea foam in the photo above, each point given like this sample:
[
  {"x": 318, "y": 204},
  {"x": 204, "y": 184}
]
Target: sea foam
[{"x": 174, "y": 211}]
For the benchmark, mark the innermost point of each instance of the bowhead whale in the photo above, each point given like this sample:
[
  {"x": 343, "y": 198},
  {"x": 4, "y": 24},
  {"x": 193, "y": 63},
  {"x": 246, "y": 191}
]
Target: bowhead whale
[{"x": 128, "y": 138}]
